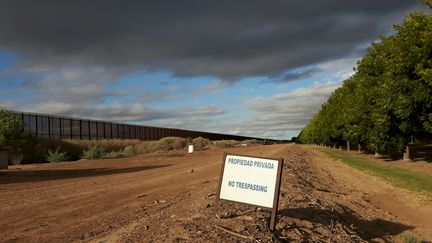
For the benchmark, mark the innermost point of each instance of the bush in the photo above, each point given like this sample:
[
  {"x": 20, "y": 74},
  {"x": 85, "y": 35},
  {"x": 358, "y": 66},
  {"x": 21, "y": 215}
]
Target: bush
[
  {"x": 165, "y": 144},
  {"x": 130, "y": 150},
  {"x": 179, "y": 143},
  {"x": 250, "y": 142},
  {"x": 114, "y": 154},
  {"x": 143, "y": 147},
  {"x": 410, "y": 239},
  {"x": 34, "y": 149},
  {"x": 200, "y": 143},
  {"x": 94, "y": 152},
  {"x": 15, "y": 158},
  {"x": 56, "y": 156},
  {"x": 108, "y": 144},
  {"x": 10, "y": 125},
  {"x": 10, "y": 129},
  {"x": 226, "y": 143}
]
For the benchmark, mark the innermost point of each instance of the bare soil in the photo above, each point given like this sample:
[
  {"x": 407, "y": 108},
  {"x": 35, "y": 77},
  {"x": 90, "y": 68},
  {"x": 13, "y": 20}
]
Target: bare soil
[{"x": 171, "y": 198}]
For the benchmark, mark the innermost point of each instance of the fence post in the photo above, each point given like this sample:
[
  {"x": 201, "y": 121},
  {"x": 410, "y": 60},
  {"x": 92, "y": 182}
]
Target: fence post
[
  {"x": 88, "y": 131},
  {"x": 22, "y": 119},
  {"x": 97, "y": 131},
  {"x": 80, "y": 129},
  {"x": 118, "y": 131},
  {"x": 36, "y": 123},
  {"x": 61, "y": 127},
  {"x": 70, "y": 128},
  {"x": 49, "y": 127}
]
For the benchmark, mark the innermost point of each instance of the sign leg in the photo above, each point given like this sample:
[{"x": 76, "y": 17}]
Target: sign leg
[
  {"x": 276, "y": 196},
  {"x": 273, "y": 220}
]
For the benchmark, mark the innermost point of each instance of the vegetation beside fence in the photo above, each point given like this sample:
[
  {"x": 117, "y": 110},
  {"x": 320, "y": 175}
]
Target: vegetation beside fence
[{"x": 25, "y": 147}]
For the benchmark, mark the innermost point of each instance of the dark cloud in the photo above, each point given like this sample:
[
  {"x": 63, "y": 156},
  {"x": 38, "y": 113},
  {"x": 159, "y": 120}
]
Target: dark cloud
[
  {"x": 297, "y": 75},
  {"x": 227, "y": 39}
]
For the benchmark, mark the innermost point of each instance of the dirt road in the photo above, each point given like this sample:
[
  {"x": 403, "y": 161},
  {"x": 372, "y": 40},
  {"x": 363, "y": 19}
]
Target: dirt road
[{"x": 170, "y": 198}]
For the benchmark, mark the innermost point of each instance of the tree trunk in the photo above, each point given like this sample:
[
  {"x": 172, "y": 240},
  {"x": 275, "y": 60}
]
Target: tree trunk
[
  {"x": 376, "y": 153},
  {"x": 359, "y": 148},
  {"x": 3, "y": 160},
  {"x": 406, "y": 155},
  {"x": 348, "y": 146}
]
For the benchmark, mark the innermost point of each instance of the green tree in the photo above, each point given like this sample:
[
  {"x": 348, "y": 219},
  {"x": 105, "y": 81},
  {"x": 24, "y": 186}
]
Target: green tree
[
  {"x": 10, "y": 127},
  {"x": 388, "y": 100},
  {"x": 427, "y": 2}
]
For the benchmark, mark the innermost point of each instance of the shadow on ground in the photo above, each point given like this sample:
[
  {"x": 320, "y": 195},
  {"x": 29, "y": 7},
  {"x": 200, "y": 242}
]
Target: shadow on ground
[
  {"x": 19, "y": 176},
  {"x": 365, "y": 229}
]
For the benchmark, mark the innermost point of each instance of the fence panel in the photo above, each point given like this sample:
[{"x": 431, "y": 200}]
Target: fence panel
[
  {"x": 57, "y": 127},
  {"x": 66, "y": 129}
]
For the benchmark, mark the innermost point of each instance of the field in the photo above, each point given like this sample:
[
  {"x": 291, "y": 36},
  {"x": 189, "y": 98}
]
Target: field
[{"x": 171, "y": 198}]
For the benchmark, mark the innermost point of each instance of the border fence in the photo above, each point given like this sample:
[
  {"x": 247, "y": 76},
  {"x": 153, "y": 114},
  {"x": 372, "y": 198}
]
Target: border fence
[{"x": 60, "y": 127}]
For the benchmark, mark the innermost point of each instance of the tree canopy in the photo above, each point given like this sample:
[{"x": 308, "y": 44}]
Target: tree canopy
[{"x": 389, "y": 98}]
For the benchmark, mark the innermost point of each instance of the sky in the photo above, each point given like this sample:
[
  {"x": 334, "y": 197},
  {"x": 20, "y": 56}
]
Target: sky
[{"x": 253, "y": 68}]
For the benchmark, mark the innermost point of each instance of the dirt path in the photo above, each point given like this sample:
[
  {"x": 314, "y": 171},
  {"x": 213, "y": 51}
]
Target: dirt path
[
  {"x": 171, "y": 199},
  {"x": 373, "y": 198}
]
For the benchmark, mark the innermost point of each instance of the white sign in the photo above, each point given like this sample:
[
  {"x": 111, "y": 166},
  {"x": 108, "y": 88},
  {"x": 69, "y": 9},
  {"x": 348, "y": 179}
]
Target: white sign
[
  {"x": 250, "y": 180},
  {"x": 190, "y": 149}
]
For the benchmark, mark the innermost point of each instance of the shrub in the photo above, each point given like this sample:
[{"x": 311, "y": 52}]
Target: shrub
[
  {"x": 200, "y": 143},
  {"x": 410, "y": 239},
  {"x": 226, "y": 143},
  {"x": 114, "y": 154},
  {"x": 250, "y": 142},
  {"x": 130, "y": 150},
  {"x": 10, "y": 128},
  {"x": 34, "y": 149},
  {"x": 94, "y": 152},
  {"x": 56, "y": 156},
  {"x": 165, "y": 144},
  {"x": 15, "y": 158},
  {"x": 108, "y": 144},
  {"x": 179, "y": 143},
  {"x": 162, "y": 144},
  {"x": 10, "y": 125},
  {"x": 143, "y": 147}
]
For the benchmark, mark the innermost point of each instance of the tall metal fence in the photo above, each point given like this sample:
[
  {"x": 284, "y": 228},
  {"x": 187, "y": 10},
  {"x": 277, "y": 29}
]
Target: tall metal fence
[{"x": 59, "y": 127}]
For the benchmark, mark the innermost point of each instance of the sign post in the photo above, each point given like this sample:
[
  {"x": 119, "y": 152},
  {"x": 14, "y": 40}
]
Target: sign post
[{"x": 251, "y": 180}]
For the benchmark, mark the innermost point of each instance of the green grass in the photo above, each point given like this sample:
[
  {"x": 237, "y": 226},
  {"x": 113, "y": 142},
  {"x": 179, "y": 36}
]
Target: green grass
[
  {"x": 410, "y": 239},
  {"x": 404, "y": 178},
  {"x": 56, "y": 156}
]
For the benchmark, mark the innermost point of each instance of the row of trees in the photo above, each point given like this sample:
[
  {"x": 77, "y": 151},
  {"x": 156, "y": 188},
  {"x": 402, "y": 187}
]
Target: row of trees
[{"x": 388, "y": 101}]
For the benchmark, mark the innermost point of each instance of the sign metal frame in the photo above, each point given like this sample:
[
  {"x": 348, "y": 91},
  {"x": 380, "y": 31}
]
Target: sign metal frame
[{"x": 273, "y": 209}]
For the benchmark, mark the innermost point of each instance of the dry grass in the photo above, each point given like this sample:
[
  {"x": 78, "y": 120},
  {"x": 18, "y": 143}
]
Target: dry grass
[
  {"x": 35, "y": 149},
  {"x": 250, "y": 142},
  {"x": 179, "y": 144},
  {"x": 225, "y": 143},
  {"x": 109, "y": 145},
  {"x": 164, "y": 144},
  {"x": 130, "y": 150},
  {"x": 143, "y": 147},
  {"x": 200, "y": 143}
]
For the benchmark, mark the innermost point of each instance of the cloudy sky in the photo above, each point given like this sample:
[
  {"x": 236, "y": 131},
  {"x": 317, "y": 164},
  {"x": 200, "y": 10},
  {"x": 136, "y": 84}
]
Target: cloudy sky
[{"x": 255, "y": 68}]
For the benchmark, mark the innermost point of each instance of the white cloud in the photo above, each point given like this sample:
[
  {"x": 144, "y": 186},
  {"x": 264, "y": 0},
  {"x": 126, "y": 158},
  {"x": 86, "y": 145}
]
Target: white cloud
[{"x": 281, "y": 116}]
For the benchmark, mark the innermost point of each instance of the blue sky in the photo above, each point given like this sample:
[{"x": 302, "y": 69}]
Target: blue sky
[{"x": 258, "y": 72}]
